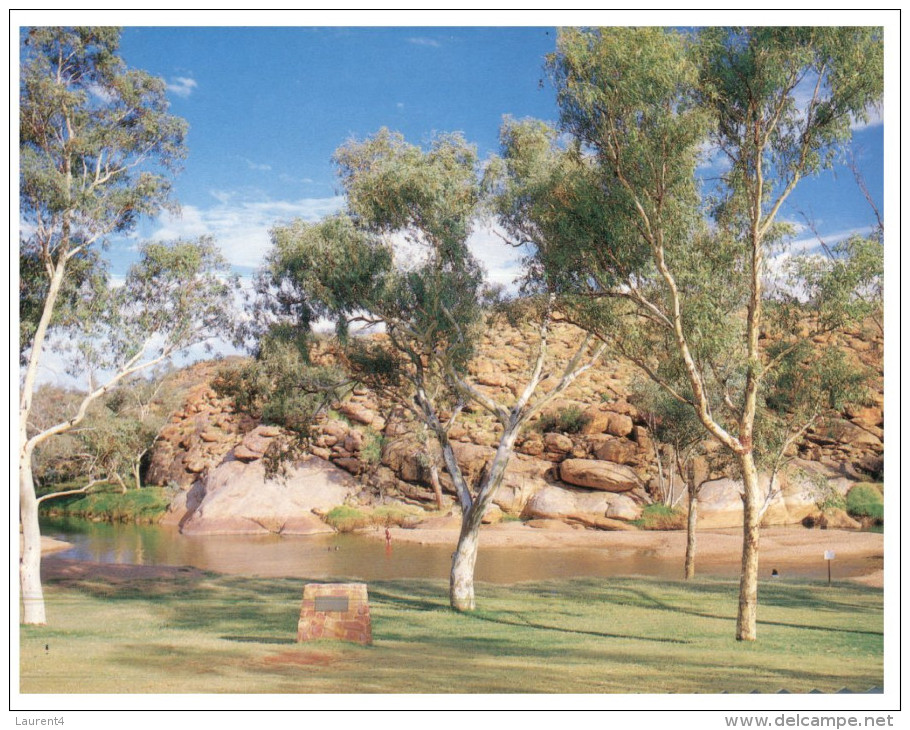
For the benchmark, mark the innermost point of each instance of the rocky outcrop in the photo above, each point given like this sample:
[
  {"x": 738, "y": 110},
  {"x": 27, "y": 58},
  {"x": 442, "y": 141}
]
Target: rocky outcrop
[
  {"x": 599, "y": 467},
  {"x": 238, "y": 497},
  {"x": 553, "y": 502},
  {"x": 198, "y": 436},
  {"x": 796, "y": 496}
]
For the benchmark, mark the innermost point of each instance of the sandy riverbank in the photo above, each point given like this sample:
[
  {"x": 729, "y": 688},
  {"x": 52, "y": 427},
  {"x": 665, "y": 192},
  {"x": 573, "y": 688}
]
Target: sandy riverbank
[{"x": 780, "y": 547}]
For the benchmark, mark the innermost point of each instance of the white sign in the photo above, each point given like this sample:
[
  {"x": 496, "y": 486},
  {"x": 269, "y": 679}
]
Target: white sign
[{"x": 829, "y": 555}]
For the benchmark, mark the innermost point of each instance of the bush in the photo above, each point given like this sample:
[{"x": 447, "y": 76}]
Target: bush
[
  {"x": 346, "y": 519},
  {"x": 371, "y": 450},
  {"x": 146, "y": 505},
  {"x": 661, "y": 517},
  {"x": 568, "y": 420},
  {"x": 389, "y": 515},
  {"x": 865, "y": 500}
]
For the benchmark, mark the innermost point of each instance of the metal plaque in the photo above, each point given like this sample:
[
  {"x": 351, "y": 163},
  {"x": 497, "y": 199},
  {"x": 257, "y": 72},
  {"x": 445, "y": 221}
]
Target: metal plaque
[{"x": 332, "y": 603}]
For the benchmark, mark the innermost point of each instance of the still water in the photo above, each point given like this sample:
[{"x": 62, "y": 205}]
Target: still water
[{"x": 339, "y": 556}]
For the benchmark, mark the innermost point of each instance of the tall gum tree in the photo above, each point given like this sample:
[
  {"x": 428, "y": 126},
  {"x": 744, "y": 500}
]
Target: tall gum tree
[
  {"x": 681, "y": 269},
  {"x": 399, "y": 258},
  {"x": 96, "y": 145}
]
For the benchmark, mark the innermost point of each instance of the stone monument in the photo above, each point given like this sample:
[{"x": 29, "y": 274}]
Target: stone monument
[{"x": 335, "y": 611}]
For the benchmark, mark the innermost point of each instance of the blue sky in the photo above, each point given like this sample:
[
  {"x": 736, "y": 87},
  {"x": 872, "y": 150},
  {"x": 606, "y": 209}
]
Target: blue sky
[{"x": 267, "y": 107}]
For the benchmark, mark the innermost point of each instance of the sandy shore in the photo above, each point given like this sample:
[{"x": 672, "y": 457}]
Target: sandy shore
[{"x": 859, "y": 555}]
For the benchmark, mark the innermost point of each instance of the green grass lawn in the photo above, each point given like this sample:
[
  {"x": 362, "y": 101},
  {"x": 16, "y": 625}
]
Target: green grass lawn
[{"x": 631, "y": 635}]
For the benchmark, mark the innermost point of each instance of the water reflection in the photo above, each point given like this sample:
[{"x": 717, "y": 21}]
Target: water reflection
[
  {"x": 335, "y": 556},
  {"x": 357, "y": 557}
]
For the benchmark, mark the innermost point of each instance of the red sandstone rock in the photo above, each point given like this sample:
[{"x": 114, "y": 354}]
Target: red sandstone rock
[
  {"x": 617, "y": 450},
  {"x": 239, "y": 498},
  {"x": 602, "y": 475}
]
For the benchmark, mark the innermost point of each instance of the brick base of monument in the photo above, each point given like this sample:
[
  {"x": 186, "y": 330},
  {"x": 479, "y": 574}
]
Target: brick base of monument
[{"x": 335, "y": 611}]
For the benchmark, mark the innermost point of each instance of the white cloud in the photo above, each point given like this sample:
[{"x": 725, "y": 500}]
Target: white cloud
[
  {"x": 182, "y": 86},
  {"x": 423, "y": 41},
  {"x": 501, "y": 261},
  {"x": 712, "y": 160},
  {"x": 256, "y": 165},
  {"x": 241, "y": 226},
  {"x": 285, "y": 178},
  {"x": 875, "y": 118}
]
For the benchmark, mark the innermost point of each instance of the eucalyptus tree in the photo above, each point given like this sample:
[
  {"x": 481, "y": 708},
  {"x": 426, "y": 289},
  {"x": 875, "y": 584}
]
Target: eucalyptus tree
[
  {"x": 398, "y": 260},
  {"x": 96, "y": 147},
  {"x": 673, "y": 272}
]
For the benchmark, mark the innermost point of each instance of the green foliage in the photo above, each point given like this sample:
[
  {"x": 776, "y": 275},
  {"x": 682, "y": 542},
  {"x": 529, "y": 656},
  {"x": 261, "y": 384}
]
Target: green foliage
[
  {"x": 661, "y": 517},
  {"x": 92, "y": 133},
  {"x": 346, "y": 268},
  {"x": 570, "y": 419},
  {"x": 827, "y": 497},
  {"x": 282, "y": 386},
  {"x": 97, "y": 147},
  {"x": 679, "y": 294},
  {"x": 391, "y": 515},
  {"x": 346, "y": 519},
  {"x": 371, "y": 450},
  {"x": 845, "y": 286},
  {"x": 865, "y": 500},
  {"x": 146, "y": 505}
]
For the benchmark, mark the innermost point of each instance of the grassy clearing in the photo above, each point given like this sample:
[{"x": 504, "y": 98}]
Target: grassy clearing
[{"x": 632, "y": 635}]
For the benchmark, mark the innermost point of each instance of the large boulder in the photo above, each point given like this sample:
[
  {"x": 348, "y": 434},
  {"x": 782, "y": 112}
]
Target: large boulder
[
  {"x": 554, "y": 502},
  {"x": 603, "y": 475},
  {"x": 617, "y": 450},
  {"x": 524, "y": 478},
  {"x": 619, "y": 424},
  {"x": 255, "y": 443},
  {"x": 797, "y": 495},
  {"x": 238, "y": 498}
]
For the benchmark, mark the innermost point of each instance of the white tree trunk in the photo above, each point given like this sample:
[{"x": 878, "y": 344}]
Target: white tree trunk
[
  {"x": 461, "y": 586},
  {"x": 748, "y": 583},
  {"x": 33, "y": 611}
]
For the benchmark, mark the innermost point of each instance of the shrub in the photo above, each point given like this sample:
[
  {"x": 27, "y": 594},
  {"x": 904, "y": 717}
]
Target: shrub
[
  {"x": 371, "y": 450},
  {"x": 661, "y": 517},
  {"x": 346, "y": 519},
  {"x": 389, "y": 515},
  {"x": 144, "y": 505},
  {"x": 834, "y": 500},
  {"x": 865, "y": 500},
  {"x": 570, "y": 419}
]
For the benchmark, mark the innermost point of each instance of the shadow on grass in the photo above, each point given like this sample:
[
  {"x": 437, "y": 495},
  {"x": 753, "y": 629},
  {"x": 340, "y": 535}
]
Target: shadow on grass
[
  {"x": 582, "y": 632},
  {"x": 259, "y": 640},
  {"x": 385, "y": 597},
  {"x": 806, "y": 602},
  {"x": 643, "y": 592}
]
